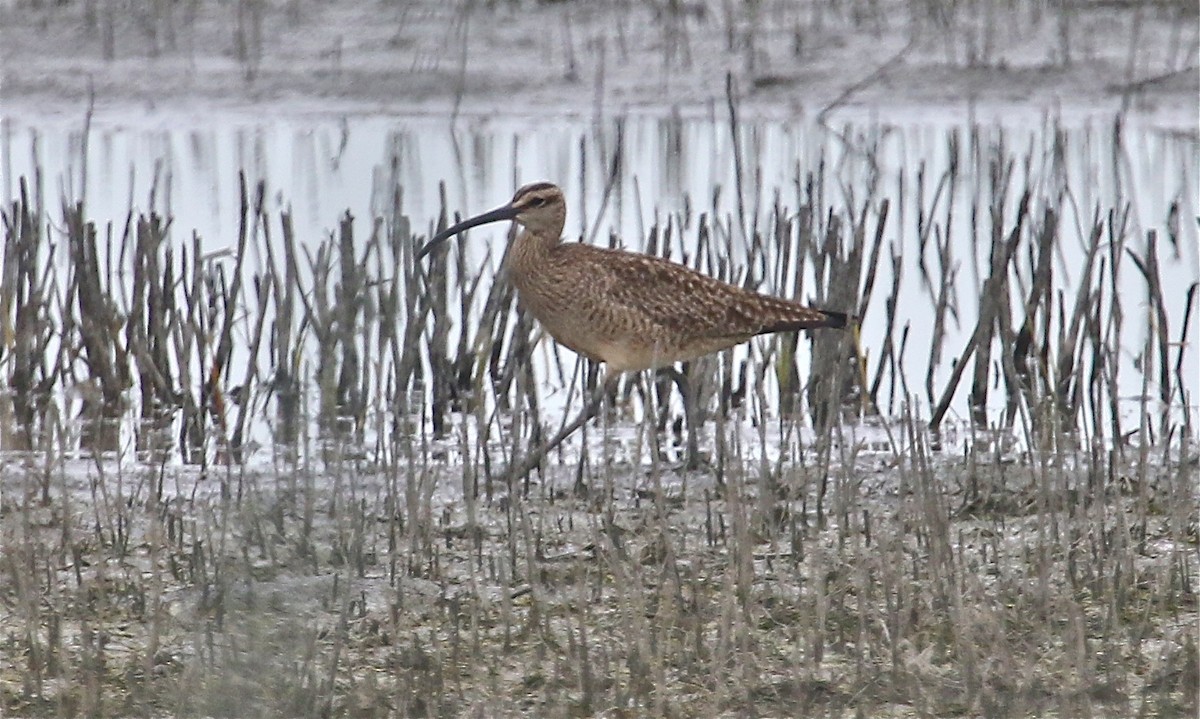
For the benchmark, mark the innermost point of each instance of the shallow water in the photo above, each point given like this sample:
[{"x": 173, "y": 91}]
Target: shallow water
[{"x": 659, "y": 168}]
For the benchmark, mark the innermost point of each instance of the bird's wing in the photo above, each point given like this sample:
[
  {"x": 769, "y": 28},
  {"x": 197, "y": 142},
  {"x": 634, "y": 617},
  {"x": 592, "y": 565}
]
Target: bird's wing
[{"x": 682, "y": 302}]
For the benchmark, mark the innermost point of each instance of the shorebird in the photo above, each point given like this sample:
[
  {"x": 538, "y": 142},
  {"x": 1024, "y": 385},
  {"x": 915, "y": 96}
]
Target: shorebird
[{"x": 628, "y": 310}]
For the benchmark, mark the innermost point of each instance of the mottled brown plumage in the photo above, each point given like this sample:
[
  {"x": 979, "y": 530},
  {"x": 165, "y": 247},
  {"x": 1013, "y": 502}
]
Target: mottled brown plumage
[{"x": 630, "y": 311}]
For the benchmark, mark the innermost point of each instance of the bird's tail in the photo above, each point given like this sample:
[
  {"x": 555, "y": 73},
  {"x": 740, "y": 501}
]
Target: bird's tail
[
  {"x": 835, "y": 320},
  {"x": 793, "y": 317}
]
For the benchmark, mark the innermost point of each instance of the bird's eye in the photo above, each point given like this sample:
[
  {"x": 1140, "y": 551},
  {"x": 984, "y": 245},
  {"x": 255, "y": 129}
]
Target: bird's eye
[{"x": 538, "y": 202}]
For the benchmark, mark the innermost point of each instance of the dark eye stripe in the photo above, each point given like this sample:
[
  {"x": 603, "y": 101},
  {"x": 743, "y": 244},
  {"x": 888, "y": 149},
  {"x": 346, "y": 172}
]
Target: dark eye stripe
[
  {"x": 535, "y": 187},
  {"x": 526, "y": 202}
]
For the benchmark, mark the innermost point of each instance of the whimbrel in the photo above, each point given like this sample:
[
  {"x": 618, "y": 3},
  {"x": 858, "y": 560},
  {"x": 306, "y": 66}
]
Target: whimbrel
[{"x": 630, "y": 311}]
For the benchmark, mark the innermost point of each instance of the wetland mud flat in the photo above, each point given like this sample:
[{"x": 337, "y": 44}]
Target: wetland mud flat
[{"x": 332, "y": 591}]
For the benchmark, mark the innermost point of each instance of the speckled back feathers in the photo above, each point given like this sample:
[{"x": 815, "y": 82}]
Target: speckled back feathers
[{"x": 637, "y": 311}]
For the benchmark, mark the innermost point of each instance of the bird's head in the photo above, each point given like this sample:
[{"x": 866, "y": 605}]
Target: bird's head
[{"x": 538, "y": 207}]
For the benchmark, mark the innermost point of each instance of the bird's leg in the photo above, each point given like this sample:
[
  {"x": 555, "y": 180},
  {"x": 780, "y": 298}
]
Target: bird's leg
[
  {"x": 534, "y": 458},
  {"x": 691, "y": 413},
  {"x": 687, "y": 390}
]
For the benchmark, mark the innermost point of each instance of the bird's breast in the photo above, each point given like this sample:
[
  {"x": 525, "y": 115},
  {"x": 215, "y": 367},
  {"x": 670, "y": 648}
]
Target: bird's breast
[{"x": 568, "y": 309}]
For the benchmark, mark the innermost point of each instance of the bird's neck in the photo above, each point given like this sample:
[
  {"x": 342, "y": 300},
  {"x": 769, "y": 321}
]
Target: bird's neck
[{"x": 531, "y": 250}]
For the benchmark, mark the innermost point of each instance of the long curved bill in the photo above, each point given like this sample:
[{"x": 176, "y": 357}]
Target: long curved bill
[{"x": 500, "y": 213}]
